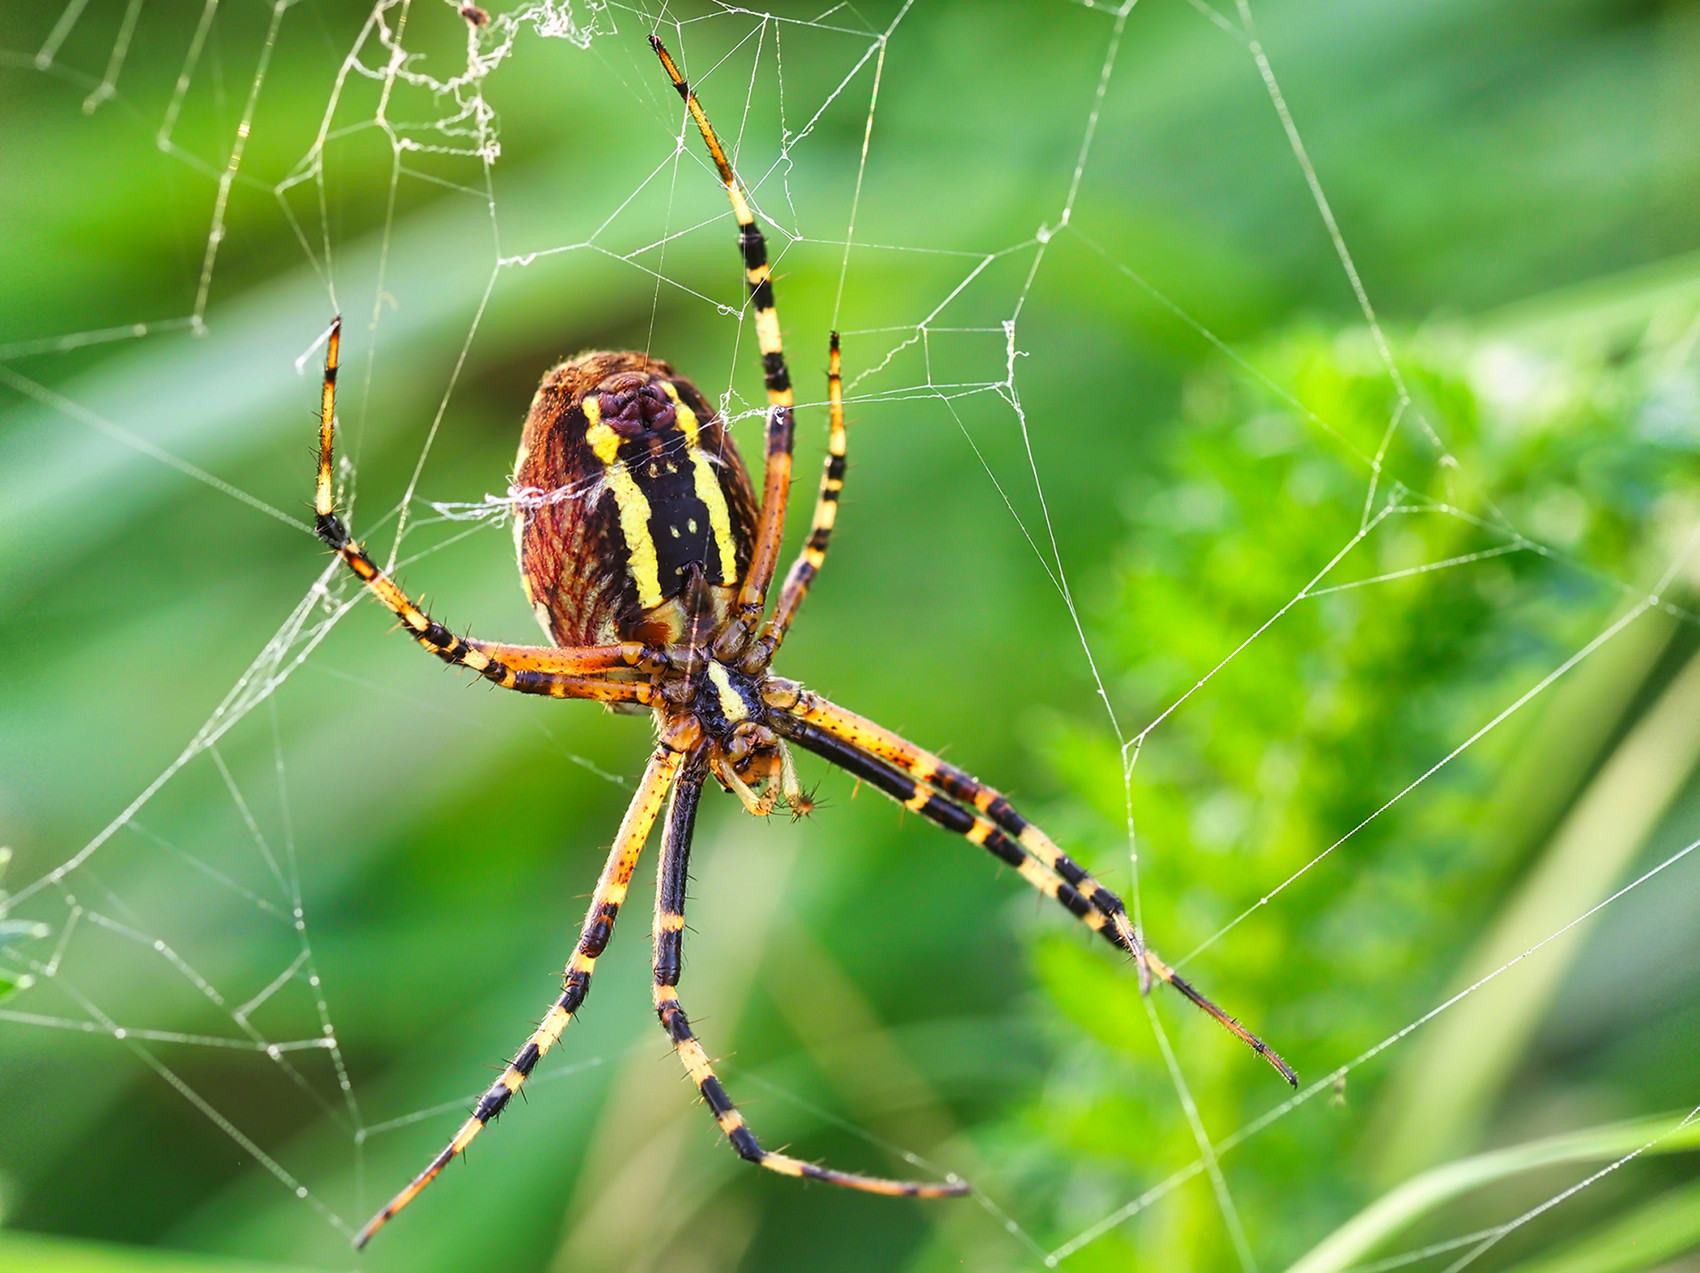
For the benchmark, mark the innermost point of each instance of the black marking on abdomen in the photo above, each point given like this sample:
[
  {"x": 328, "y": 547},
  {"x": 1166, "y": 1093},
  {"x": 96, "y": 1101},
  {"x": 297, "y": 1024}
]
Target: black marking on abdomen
[{"x": 679, "y": 522}]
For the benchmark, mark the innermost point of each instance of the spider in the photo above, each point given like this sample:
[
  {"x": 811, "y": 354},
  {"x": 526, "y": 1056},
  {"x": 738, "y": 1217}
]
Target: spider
[{"x": 647, "y": 562}]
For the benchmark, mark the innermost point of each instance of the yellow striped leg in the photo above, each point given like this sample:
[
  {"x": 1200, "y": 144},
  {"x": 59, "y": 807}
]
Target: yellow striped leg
[
  {"x": 956, "y": 783},
  {"x": 776, "y": 485},
  {"x": 838, "y": 735},
  {"x": 669, "y": 941},
  {"x": 557, "y": 672},
  {"x": 593, "y": 938},
  {"x": 576, "y": 660},
  {"x": 808, "y": 563}
]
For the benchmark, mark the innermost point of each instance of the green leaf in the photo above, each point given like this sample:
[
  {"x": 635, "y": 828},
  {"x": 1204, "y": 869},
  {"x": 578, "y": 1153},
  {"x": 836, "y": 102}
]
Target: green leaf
[{"x": 1394, "y": 1210}]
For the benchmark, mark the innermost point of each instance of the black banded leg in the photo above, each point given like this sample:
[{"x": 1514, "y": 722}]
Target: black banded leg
[
  {"x": 669, "y": 942},
  {"x": 960, "y": 786},
  {"x": 1072, "y": 887},
  {"x": 803, "y": 571},
  {"x": 556, "y": 672},
  {"x": 776, "y": 484},
  {"x": 593, "y": 939}
]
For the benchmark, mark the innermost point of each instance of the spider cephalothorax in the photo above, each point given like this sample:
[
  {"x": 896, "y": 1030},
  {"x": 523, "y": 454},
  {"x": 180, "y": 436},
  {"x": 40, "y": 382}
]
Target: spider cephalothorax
[
  {"x": 648, "y": 563},
  {"x": 730, "y": 708}
]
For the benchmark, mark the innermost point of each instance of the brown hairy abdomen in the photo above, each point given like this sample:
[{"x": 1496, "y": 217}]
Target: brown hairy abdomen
[{"x": 573, "y": 558}]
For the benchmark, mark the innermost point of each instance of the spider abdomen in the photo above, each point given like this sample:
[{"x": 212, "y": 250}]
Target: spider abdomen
[{"x": 635, "y": 517}]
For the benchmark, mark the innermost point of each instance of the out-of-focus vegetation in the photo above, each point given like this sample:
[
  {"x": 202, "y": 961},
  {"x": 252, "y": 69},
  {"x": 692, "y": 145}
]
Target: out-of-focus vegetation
[
  {"x": 1300, "y": 746},
  {"x": 1517, "y": 183}
]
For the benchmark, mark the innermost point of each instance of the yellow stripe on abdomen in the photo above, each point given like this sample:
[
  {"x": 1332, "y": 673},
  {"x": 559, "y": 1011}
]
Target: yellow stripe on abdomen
[{"x": 641, "y": 559}]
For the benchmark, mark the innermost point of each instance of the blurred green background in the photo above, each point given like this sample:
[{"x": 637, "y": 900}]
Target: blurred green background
[{"x": 1519, "y": 184}]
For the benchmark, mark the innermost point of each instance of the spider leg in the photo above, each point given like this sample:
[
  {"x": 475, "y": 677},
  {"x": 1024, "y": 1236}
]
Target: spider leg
[
  {"x": 849, "y": 741},
  {"x": 958, "y": 784},
  {"x": 776, "y": 484},
  {"x": 593, "y": 938},
  {"x": 808, "y": 563},
  {"x": 556, "y": 672},
  {"x": 579, "y": 659},
  {"x": 669, "y": 944}
]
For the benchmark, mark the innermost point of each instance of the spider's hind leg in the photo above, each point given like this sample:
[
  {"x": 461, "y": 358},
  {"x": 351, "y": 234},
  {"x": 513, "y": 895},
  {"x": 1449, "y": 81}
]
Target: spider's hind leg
[
  {"x": 669, "y": 946},
  {"x": 908, "y": 775},
  {"x": 593, "y": 939}
]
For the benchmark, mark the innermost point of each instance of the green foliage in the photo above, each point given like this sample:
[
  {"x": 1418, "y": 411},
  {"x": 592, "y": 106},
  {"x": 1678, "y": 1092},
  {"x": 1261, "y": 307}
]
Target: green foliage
[{"x": 1290, "y": 769}]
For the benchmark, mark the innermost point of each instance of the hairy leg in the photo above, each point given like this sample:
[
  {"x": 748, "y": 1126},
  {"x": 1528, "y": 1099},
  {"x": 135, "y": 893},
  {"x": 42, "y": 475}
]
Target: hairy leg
[
  {"x": 809, "y": 561},
  {"x": 555, "y": 672},
  {"x": 776, "y": 484},
  {"x": 593, "y": 938},
  {"x": 1059, "y": 877},
  {"x": 669, "y": 942}
]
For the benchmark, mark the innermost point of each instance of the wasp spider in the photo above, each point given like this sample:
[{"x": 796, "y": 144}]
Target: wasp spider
[{"x": 651, "y": 577}]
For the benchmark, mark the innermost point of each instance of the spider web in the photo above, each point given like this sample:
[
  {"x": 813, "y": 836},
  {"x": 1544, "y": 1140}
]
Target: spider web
[{"x": 424, "y": 83}]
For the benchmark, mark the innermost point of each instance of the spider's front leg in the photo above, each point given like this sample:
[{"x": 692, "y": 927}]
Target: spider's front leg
[
  {"x": 546, "y": 670},
  {"x": 669, "y": 943},
  {"x": 813, "y": 555},
  {"x": 776, "y": 483},
  {"x": 593, "y": 938},
  {"x": 958, "y": 802}
]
